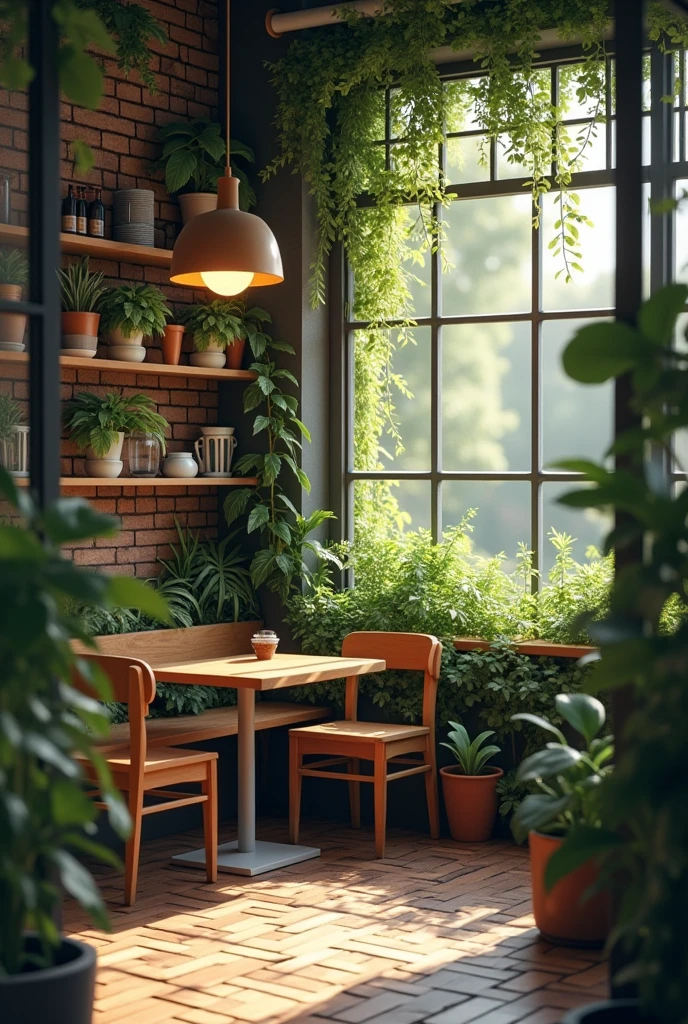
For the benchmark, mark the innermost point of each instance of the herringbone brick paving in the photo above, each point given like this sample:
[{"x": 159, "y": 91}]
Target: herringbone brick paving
[{"x": 436, "y": 933}]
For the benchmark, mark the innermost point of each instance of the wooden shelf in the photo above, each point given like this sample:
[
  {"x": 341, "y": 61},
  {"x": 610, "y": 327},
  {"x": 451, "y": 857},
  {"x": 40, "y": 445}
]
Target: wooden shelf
[
  {"x": 118, "y": 366},
  {"x": 159, "y": 483},
  {"x": 541, "y": 648},
  {"x": 100, "y": 248}
]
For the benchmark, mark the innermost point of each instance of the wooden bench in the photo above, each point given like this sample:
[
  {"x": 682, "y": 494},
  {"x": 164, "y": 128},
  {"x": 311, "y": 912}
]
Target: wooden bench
[{"x": 160, "y": 646}]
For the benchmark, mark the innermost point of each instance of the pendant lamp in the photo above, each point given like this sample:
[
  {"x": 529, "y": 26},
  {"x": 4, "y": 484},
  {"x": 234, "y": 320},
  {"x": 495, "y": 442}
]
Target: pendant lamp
[{"x": 226, "y": 250}]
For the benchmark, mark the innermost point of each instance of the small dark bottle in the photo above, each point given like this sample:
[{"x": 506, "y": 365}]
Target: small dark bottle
[
  {"x": 69, "y": 212},
  {"x": 96, "y": 217},
  {"x": 81, "y": 215}
]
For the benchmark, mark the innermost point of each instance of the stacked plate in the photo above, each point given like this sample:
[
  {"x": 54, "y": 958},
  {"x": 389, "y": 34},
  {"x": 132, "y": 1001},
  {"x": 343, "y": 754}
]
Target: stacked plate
[{"x": 133, "y": 216}]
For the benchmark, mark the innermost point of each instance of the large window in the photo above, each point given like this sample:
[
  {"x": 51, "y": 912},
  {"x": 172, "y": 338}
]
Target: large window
[{"x": 481, "y": 405}]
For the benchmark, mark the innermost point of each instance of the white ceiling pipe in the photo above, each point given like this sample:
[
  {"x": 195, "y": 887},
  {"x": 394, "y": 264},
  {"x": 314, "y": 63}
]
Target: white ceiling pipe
[{"x": 277, "y": 24}]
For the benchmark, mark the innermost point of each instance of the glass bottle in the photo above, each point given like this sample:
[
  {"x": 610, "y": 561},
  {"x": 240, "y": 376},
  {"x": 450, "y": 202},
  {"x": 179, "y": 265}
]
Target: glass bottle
[
  {"x": 69, "y": 212},
  {"x": 96, "y": 216},
  {"x": 81, "y": 214}
]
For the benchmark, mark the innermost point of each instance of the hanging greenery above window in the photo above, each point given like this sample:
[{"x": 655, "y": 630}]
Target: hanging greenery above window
[{"x": 331, "y": 113}]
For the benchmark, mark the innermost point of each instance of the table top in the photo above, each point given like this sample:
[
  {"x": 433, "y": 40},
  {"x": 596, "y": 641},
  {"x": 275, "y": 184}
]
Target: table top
[{"x": 246, "y": 672}]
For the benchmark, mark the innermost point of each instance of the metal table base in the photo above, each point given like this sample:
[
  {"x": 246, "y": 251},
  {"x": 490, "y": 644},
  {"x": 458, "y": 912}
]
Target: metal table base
[{"x": 246, "y": 855}]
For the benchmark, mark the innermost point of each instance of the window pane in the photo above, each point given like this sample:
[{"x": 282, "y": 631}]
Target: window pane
[
  {"x": 503, "y": 517},
  {"x": 381, "y": 507},
  {"x": 681, "y": 233},
  {"x": 577, "y": 419},
  {"x": 459, "y": 105},
  {"x": 488, "y": 246},
  {"x": 570, "y": 77},
  {"x": 407, "y": 377},
  {"x": 464, "y": 158},
  {"x": 588, "y": 143},
  {"x": 593, "y": 289},
  {"x": 507, "y": 165},
  {"x": 486, "y": 377},
  {"x": 588, "y": 527}
]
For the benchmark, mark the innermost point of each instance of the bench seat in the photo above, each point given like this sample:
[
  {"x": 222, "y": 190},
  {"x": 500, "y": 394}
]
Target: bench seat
[{"x": 209, "y": 725}]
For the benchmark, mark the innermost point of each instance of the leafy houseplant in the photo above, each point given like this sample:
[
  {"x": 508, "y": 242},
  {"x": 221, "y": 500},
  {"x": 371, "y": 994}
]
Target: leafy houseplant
[
  {"x": 97, "y": 425},
  {"x": 45, "y": 816},
  {"x": 641, "y": 846},
  {"x": 470, "y": 787},
  {"x": 285, "y": 533},
  {"x": 192, "y": 159},
  {"x": 80, "y": 293},
  {"x": 14, "y": 273},
  {"x": 130, "y": 313},
  {"x": 569, "y": 779},
  {"x": 221, "y": 325}
]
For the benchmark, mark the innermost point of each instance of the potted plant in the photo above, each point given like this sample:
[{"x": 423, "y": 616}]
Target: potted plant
[
  {"x": 470, "y": 786},
  {"x": 569, "y": 779},
  {"x": 13, "y": 447},
  {"x": 97, "y": 425},
  {"x": 129, "y": 313},
  {"x": 46, "y": 820},
  {"x": 192, "y": 159},
  {"x": 80, "y": 292},
  {"x": 14, "y": 272},
  {"x": 171, "y": 343},
  {"x": 219, "y": 330}
]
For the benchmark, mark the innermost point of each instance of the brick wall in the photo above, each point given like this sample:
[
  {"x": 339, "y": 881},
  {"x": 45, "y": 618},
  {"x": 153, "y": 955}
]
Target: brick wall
[{"x": 121, "y": 134}]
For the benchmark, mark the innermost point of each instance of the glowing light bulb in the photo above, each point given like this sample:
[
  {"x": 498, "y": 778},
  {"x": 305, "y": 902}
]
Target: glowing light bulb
[{"x": 227, "y": 282}]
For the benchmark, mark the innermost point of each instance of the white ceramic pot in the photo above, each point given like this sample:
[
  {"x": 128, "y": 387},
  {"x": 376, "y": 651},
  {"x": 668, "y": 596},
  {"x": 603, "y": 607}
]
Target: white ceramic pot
[
  {"x": 12, "y": 325},
  {"x": 193, "y": 203},
  {"x": 109, "y": 465},
  {"x": 181, "y": 465},
  {"x": 215, "y": 449},
  {"x": 128, "y": 350},
  {"x": 214, "y": 357}
]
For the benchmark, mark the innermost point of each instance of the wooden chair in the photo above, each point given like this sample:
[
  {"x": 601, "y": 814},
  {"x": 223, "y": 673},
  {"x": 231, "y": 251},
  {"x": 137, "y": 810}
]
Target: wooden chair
[
  {"x": 351, "y": 741},
  {"x": 140, "y": 772}
]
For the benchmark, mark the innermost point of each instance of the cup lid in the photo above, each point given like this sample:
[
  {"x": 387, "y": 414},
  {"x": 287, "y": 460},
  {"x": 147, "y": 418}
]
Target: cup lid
[{"x": 265, "y": 634}]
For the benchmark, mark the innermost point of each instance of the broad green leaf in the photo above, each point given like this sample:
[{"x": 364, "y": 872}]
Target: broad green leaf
[
  {"x": 657, "y": 316},
  {"x": 258, "y": 518},
  {"x": 71, "y": 519},
  {"x": 83, "y": 155},
  {"x": 582, "y": 845},
  {"x": 125, "y": 592},
  {"x": 180, "y": 168},
  {"x": 81, "y": 78},
  {"x": 554, "y": 760},
  {"x": 602, "y": 351},
  {"x": 585, "y": 713},
  {"x": 262, "y": 565},
  {"x": 79, "y": 883},
  {"x": 537, "y": 811},
  {"x": 236, "y": 503},
  {"x": 542, "y": 723}
]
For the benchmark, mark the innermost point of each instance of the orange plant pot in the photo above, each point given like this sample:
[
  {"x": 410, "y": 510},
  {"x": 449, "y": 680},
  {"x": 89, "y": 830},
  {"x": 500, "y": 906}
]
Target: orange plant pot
[
  {"x": 235, "y": 354},
  {"x": 172, "y": 344},
  {"x": 471, "y": 803},
  {"x": 563, "y": 915},
  {"x": 81, "y": 323}
]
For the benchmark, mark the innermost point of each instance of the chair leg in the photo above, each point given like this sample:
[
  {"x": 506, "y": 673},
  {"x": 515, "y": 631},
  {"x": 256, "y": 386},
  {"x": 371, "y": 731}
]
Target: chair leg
[
  {"x": 354, "y": 767},
  {"x": 133, "y": 848},
  {"x": 295, "y": 780},
  {"x": 210, "y": 814},
  {"x": 431, "y": 790},
  {"x": 380, "y": 788}
]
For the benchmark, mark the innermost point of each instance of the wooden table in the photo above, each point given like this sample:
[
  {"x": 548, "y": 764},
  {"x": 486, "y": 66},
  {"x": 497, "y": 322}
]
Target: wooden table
[{"x": 246, "y": 855}]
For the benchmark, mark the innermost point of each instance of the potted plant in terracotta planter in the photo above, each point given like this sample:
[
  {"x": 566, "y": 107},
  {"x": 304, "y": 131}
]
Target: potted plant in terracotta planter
[
  {"x": 46, "y": 820},
  {"x": 128, "y": 314},
  {"x": 220, "y": 329},
  {"x": 193, "y": 159},
  {"x": 470, "y": 786},
  {"x": 569, "y": 779},
  {"x": 80, "y": 292},
  {"x": 98, "y": 425},
  {"x": 14, "y": 272},
  {"x": 171, "y": 343}
]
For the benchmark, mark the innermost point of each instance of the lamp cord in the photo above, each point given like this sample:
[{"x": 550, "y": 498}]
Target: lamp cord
[{"x": 228, "y": 170}]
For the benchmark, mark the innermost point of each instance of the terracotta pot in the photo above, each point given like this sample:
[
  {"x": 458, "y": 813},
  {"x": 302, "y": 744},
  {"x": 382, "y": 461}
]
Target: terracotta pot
[
  {"x": 12, "y": 325},
  {"x": 562, "y": 915},
  {"x": 172, "y": 344},
  {"x": 80, "y": 334},
  {"x": 193, "y": 203},
  {"x": 235, "y": 354},
  {"x": 471, "y": 803}
]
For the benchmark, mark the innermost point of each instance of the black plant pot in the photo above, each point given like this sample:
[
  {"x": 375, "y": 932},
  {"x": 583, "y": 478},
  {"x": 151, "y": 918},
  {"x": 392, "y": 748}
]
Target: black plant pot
[
  {"x": 61, "y": 994},
  {"x": 611, "y": 1011}
]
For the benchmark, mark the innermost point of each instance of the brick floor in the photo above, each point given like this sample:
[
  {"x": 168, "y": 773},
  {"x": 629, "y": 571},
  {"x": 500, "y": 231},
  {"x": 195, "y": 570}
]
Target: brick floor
[{"x": 436, "y": 932}]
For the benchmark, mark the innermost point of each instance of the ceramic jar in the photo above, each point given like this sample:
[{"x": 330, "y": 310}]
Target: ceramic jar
[
  {"x": 181, "y": 465},
  {"x": 127, "y": 350},
  {"x": 213, "y": 357},
  {"x": 264, "y": 644}
]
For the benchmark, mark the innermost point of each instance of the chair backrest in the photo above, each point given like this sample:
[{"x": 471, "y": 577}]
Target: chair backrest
[
  {"x": 419, "y": 652},
  {"x": 164, "y": 646},
  {"x": 133, "y": 684}
]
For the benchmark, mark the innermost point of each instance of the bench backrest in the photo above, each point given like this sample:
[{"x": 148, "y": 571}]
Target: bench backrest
[{"x": 162, "y": 646}]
